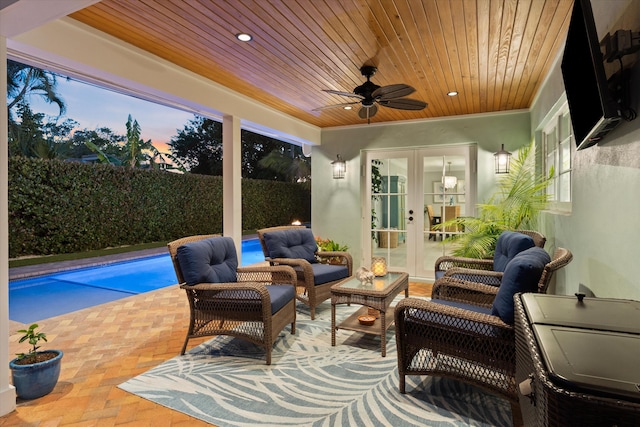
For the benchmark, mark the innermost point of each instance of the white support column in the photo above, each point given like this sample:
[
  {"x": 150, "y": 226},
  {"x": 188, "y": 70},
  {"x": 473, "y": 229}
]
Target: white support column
[
  {"x": 232, "y": 180},
  {"x": 7, "y": 391}
]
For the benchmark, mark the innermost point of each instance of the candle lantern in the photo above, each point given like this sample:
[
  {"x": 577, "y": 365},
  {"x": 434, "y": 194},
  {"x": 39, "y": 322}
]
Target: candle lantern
[{"x": 379, "y": 266}]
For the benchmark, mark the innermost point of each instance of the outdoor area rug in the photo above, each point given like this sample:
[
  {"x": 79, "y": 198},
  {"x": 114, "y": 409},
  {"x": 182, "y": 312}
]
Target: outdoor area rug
[{"x": 226, "y": 382}]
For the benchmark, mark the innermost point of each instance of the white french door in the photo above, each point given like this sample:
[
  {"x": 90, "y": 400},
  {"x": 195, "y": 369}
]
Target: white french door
[{"x": 403, "y": 186}]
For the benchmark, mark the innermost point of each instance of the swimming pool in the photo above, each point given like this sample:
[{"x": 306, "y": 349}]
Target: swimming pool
[{"x": 54, "y": 294}]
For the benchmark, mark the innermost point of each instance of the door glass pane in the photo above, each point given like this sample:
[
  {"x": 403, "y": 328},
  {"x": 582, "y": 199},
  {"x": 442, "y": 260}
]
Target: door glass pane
[
  {"x": 388, "y": 211},
  {"x": 444, "y": 197}
]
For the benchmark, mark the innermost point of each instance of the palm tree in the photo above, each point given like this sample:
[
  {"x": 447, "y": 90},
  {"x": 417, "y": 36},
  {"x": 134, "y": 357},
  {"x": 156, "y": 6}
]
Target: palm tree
[
  {"x": 26, "y": 137},
  {"x": 24, "y": 80},
  {"x": 515, "y": 205},
  {"x": 134, "y": 145},
  {"x": 136, "y": 151}
]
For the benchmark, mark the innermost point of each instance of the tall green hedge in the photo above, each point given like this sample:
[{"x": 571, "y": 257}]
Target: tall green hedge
[{"x": 58, "y": 207}]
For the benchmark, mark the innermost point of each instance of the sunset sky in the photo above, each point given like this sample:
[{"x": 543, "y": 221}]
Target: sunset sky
[{"x": 94, "y": 107}]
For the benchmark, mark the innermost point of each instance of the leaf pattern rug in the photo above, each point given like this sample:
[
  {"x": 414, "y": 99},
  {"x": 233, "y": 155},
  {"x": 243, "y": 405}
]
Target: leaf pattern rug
[{"x": 226, "y": 382}]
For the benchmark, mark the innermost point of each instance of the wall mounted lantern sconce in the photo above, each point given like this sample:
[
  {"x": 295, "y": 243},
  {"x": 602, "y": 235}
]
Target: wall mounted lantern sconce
[
  {"x": 503, "y": 158},
  {"x": 339, "y": 168}
]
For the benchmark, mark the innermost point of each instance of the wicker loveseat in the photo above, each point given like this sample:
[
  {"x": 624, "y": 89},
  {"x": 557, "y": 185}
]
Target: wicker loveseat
[
  {"x": 296, "y": 246},
  {"x": 252, "y": 303}
]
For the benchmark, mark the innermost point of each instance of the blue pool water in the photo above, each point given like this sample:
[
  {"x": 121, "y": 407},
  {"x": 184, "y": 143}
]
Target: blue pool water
[{"x": 42, "y": 297}]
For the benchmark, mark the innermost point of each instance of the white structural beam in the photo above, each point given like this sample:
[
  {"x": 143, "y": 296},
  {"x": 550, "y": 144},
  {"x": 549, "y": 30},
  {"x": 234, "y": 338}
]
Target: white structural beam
[
  {"x": 232, "y": 181},
  {"x": 24, "y": 15},
  {"x": 7, "y": 392}
]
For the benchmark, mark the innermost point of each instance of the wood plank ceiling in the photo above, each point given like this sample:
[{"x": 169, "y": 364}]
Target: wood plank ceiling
[{"x": 495, "y": 53}]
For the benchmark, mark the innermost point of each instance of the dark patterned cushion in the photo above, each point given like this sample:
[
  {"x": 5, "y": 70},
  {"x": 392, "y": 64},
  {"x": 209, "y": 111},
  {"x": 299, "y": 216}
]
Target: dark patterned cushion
[
  {"x": 212, "y": 260},
  {"x": 293, "y": 243},
  {"x": 521, "y": 275}
]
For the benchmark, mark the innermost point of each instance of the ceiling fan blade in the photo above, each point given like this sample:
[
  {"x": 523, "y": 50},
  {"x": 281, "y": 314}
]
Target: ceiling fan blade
[
  {"x": 404, "y": 104},
  {"x": 341, "y": 93},
  {"x": 344, "y": 104},
  {"x": 392, "y": 91},
  {"x": 367, "y": 112}
]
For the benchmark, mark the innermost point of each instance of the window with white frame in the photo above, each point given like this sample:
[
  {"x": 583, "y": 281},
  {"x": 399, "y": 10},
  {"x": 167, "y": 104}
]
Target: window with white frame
[{"x": 557, "y": 150}]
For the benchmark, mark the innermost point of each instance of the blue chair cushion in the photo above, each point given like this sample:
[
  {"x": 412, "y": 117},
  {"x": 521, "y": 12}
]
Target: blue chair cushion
[
  {"x": 521, "y": 275},
  {"x": 235, "y": 300},
  {"x": 292, "y": 243},
  {"x": 323, "y": 273},
  {"x": 212, "y": 260},
  {"x": 440, "y": 320},
  {"x": 509, "y": 244},
  {"x": 280, "y": 296}
]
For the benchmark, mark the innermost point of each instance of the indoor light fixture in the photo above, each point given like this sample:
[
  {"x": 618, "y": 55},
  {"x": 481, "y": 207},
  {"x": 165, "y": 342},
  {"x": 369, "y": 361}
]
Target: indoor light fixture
[
  {"x": 244, "y": 37},
  {"x": 452, "y": 93},
  {"x": 502, "y": 158},
  {"x": 339, "y": 168},
  {"x": 449, "y": 181}
]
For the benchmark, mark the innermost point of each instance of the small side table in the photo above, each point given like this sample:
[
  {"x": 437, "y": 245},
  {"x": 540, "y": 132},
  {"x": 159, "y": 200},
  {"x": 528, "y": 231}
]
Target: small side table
[{"x": 378, "y": 295}]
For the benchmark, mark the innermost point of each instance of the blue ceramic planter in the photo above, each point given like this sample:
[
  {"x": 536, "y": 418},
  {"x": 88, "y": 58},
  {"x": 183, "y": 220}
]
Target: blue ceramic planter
[{"x": 37, "y": 379}]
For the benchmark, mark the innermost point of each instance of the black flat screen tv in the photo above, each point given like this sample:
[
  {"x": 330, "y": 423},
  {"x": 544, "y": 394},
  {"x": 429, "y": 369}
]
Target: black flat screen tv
[{"x": 593, "y": 109}]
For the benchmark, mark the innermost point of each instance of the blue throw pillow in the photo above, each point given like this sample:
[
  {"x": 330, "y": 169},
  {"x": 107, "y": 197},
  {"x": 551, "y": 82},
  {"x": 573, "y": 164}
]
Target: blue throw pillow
[
  {"x": 509, "y": 244},
  {"x": 212, "y": 260},
  {"x": 292, "y": 243},
  {"x": 521, "y": 275}
]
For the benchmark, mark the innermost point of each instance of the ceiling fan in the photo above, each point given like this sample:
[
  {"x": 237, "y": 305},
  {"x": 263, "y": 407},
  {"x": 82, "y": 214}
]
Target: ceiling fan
[{"x": 370, "y": 95}]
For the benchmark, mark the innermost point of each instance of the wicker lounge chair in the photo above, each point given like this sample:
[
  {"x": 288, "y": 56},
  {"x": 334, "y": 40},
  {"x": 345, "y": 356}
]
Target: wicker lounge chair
[
  {"x": 455, "y": 289},
  {"x": 252, "y": 303},
  {"x": 508, "y": 245},
  {"x": 316, "y": 271},
  {"x": 471, "y": 342}
]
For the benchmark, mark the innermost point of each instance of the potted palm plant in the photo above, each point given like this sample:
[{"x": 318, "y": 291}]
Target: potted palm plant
[
  {"x": 515, "y": 205},
  {"x": 35, "y": 373}
]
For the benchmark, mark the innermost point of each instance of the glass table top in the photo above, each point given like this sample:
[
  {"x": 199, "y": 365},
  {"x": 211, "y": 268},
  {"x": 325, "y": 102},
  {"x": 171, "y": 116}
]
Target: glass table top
[{"x": 379, "y": 283}]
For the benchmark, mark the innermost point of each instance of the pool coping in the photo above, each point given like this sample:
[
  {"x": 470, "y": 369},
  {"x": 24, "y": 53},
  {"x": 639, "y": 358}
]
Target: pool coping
[{"x": 26, "y": 272}]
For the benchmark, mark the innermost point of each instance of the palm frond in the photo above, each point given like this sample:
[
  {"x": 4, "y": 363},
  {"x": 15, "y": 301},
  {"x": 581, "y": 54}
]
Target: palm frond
[{"x": 516, "y": 204}]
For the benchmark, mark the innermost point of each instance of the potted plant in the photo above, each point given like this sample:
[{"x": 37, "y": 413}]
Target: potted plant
[
  {"x": 328, "y": 245},
  {"x": 515, "y": 205},
  {"x": 35, "y": 373}
]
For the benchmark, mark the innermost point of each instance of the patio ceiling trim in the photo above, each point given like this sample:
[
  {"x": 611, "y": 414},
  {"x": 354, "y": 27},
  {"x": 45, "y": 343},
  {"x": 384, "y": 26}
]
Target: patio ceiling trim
[{"x": 74, "y": 49}]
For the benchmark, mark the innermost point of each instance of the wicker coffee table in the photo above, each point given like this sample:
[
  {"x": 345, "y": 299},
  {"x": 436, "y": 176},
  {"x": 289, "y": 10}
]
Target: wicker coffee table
[{"x": 377, "y": 295}]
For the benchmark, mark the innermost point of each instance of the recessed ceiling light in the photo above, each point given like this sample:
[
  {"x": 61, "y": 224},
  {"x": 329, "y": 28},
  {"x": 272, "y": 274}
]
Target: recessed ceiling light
[
  {"x": 453, "y": 93},
  {"x": 347, "y": 107},
  {"x": 244, "y": 37}
]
